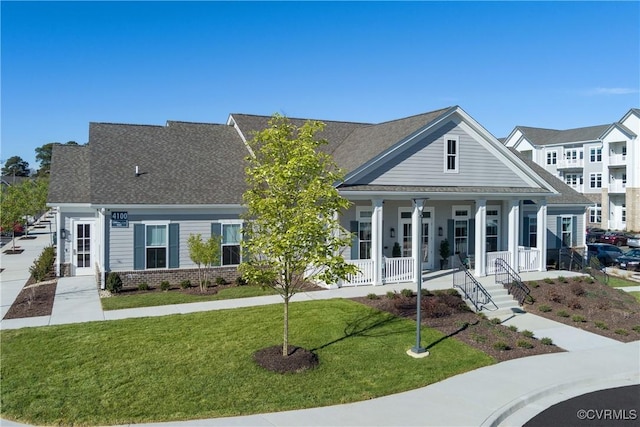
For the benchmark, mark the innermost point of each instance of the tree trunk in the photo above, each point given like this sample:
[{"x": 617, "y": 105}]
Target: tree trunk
[{"x": 285, "y": 345}]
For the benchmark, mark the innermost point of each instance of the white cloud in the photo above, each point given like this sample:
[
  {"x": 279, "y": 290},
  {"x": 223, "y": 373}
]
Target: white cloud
[{"x": 612, "y": 91}]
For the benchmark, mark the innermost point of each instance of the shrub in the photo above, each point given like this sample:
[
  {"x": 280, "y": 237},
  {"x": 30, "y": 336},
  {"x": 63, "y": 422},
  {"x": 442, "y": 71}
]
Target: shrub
[
  {"x": 524, "y": 344},
  {"x": 544, "y": 308},
  {"x": 205, "y": 284},
  {"x": 241, "y": 281},
  {"x": 114, "y": 282},
  {"x": 578, "y": 319},
  {"x": 621, "y": 331},
  {"x": 185, "y": 284},
  {"x": 165, "y": 285},
  {"x": 590, "y": 280},
  {"x": 546, "y": 341},
  {"x": 577, "y": 279},
  {"x": 452, "y": 292},
  {"x": 562, "y": 279},
  {"x": 562, "y": 313},
  {"x": 496, "y": 321},
  {"x": 554, "y": 296},
  {"x": 577, "y": 289},
  {"x": 407, "y": 293},
  {"x": 513, "y": 328},
  {"x": 636, "y": 328},
  {"x": 42, "y": 265},
  {"x": 372, "y": 296},
  {"x": 601, "y": 325},
  {"x": 527, "y": 333},
  {"x": 574, "y": 303},
  {"x": 461, "y": 324},
  {"x": 220, "y": 281},
  {"x": 534, "y": 285},
  {"x": 392, "y": 295},
  {"x": 529, "y": 299},
  {"x": 548, "y": 280},
  {"x": 425, "y": 293},
  {"x": 501, "y": 346},
  {"x": 144, "y": 286},
  {"x": 479, "y": 338}
]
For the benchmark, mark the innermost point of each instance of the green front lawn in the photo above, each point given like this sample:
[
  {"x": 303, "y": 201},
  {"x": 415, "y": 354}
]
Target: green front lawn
[
  {"x": 636, "y": 295},
  {"x": 155, "y": 298},
  {"x": 200, "y": 365},
  {"x": 617, "y": 282}
]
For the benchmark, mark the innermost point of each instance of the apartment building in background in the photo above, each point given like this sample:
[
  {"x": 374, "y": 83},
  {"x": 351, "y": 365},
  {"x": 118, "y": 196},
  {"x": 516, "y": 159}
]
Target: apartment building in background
[{"x": 602, "y": 162}]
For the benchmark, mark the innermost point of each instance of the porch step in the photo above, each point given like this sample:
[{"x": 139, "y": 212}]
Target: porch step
[{"x": 507, "y": 305}]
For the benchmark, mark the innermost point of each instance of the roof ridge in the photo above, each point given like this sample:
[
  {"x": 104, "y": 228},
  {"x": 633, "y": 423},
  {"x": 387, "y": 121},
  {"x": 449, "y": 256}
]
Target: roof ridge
[
  {"x": 194, "y": 123},
  {"x": 125, "y": 124},
  {"x": 303, "y": 118},
  {"x": 417, "y": 115}
]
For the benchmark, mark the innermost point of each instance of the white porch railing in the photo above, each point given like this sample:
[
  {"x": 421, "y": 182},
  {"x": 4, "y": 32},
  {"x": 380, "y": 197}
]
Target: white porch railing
[
  {"x": 398, "y": 270},
  {"x": 364, "y": 276},
  {"x": 528, "y": 259},
  {"x": 490, "y": 266}
]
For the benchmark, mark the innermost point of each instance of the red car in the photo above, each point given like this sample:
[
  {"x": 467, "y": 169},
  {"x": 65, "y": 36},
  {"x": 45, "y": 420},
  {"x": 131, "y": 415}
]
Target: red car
[
  {"x": 18, "y": 229},
  {"x": 613, "y": 238}
]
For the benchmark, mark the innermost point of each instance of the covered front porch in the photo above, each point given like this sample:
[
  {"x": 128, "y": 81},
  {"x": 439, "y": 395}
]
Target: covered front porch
[{"x": 387, "y": 232}]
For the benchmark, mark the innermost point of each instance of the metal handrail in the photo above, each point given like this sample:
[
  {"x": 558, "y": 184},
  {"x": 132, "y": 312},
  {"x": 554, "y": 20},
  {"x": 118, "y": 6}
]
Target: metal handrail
[
  {"x": 472, "y": 289},
  {"x": 511, "y": 280}
]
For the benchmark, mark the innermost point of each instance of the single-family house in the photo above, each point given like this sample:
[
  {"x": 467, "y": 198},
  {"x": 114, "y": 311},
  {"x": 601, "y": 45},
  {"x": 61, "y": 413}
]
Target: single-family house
[{"x": 129, "y": 199}]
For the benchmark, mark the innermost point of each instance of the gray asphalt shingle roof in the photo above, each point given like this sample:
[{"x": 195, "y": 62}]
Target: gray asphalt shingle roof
[
  {"x": 69, "y": 174},
  {"x": 541, "y": 136}
]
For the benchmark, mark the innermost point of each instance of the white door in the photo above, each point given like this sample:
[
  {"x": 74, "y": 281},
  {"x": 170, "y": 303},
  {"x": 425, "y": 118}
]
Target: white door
[
  {"x": 82, "y": 258},
  {"x": 427, "y": 229}
]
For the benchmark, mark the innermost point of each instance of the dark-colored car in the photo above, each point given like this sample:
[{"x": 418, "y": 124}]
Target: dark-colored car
[
  {"x": 18, "y": 229},
  {"x": 617, "y": 238},
  {"x": 593, "y": 234},
  {"x": 630, "y": 260},
  {"x": 605, "y": 253}
]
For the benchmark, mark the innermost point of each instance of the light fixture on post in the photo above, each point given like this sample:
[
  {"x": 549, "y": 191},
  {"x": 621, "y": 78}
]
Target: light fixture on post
[
  {"x": 392, "y": 232},
  {"x": 418, "y": 351},
  {"x": 440, "y": 231}
]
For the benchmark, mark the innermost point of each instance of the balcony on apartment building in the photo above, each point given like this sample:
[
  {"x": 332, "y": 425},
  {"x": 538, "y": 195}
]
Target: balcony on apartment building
[
  {"x": 617, "y": 160},
  {"x": 617, "y": 186},
  {"x": 570, "y": 163}
]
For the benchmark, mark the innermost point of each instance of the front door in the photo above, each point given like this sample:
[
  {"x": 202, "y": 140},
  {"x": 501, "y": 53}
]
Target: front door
[
  {"x": 405, "y": 236},
  {"x": 83, "y": 248}
]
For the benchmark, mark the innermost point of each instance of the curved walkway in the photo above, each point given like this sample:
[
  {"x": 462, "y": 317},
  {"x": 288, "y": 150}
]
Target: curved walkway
[{"x": 507, "y": 393}]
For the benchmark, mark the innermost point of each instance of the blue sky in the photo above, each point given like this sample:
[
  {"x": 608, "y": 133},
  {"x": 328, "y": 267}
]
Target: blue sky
[{"x": 543, "y": 64}]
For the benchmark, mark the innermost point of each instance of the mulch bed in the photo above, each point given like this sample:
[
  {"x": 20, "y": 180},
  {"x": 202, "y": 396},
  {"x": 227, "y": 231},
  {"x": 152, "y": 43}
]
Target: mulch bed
[
  {"x": 13, "y": 251},
  {"x": 28, "y": 238},
  {"x": 586, "y": 304},
  {"x": 33, "y": 302},
  {"x": 298, "y": 359}
]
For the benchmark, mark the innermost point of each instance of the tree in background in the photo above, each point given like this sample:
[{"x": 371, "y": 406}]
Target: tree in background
[
  {"x": 19, "y": 201},
  {"x": 43, "y": 156},
  {"x": 291, "y": 226},
  {"x": 204, "y": 255},
  {"x": 15, "y": 166}
]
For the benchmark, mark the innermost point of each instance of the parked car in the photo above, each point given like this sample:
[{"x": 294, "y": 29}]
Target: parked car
[
  {"x": 633, "y": 240},
  {"x": 594, "y": 233},
  {"x": 605, "y": 253},
  {"x": 617, "y": 238},
  {"x": 18, "y": 229},
  {"x": 630, "y": 260}
]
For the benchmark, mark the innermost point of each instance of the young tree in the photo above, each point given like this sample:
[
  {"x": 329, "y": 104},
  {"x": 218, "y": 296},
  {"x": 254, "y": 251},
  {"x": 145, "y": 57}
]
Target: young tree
[
  {"x": 15, "y": 166},
  {"x": 204, "y": 255},
  {"x": 292, "y": 209},
  {"x": 12, "y": 206}
]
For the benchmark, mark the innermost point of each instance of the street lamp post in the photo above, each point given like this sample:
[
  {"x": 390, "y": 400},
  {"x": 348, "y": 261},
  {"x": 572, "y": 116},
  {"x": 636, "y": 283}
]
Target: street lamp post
[{"x": 418, "y": 351}]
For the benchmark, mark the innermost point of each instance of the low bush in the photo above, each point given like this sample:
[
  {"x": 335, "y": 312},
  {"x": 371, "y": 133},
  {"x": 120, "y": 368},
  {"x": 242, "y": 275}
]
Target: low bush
[
  {"x": 165, "y": 285},
  {"x": 241, "y": 281},
  {"x": 546, "y": 341},
  {"x": 562, "y": 313},
  {"x": 144, "y": 286},
  {"x": 555, "y": 296},
  {"x": 577, "y": 289},
  {"x": 501, "y": 346},
  {"x": 496, "y": 321},
  {"x": 221, "y": 281},
  {"x": 513, "y": 328},
  {"x": 392, "y": 295},
  {"x": 548, "y": 280},
  {"x": 621, "y": 331},
  {"x": 527, "y": 333},
  {"x": 578, "y": 319},
  {"x": 562, "y": 279},
  {"x": 636, "y": 328},
  {"x": 544, "y": 308},
  {"x": 524, "y": 344},
  {"x": 479, "y": 338},
  {"x": 205, "y": 283},
  {"x": 425, "y": 292},
  {"x": 372, "y": 296},
  {"x": 113, "y": 282},
  {"x": 185, "y": 284},
  {"x": 42, "y": 265},
  {"x": 574, "y": 303},
  {"x": 577, "y": 279},
  {"x": 600, "y": 325},
  {"x": 407, "y": 293},
  {"x": 534, "y": 285}
]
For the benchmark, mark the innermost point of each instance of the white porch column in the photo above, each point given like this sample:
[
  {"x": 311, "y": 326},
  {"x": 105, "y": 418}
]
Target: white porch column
[
  {"x": 376, "y": 241},
  {"x": 481, "y": 238},
  {"x": 514, "y": 232},
  {"x": 416, "y": 239},
  {"x": 541, "y": 233},
  {"x": 59, "y": 226}
]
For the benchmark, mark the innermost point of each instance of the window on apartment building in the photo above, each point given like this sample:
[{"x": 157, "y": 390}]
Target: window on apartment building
[
  {"x": 595, "y": 180},
  {"x": 493, "y": 227},
  {"x": 451, "y": 155},
  {"x": 364, "y": 234},
  {"x": 461, "y": 229},
  {"x": 595, "y": 155},
  {"x": 572, "y": 156},
  {"x": 533, "y": 231},
  {"x": 230, "y": 245},
  {"x": 567, "y": 227},
  {"x": 624, "y": 151},
  {"x": 624, "y": 212},
  {"x": 552, "y": 158},
  {"x": 595, "y": 213},
  {"x": 624, "y": 179},
  {"x": 156, "y": 246}
]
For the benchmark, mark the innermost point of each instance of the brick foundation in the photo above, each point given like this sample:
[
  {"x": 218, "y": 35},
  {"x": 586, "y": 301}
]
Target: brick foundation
[
  {"x": 131, "y": 279},
  {"x": 65, "y": 270},
  {"x": 633, "y": 209}
]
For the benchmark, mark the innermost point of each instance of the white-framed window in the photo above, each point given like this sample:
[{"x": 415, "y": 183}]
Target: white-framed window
[
  {"x": 156, "y": 246},
  {"x": 624, "y": 179},
  {"x": 230, "y": 243},
  {"x": 595, "y": 213},
  {"x": 572, "y": 156},
  {"x": 595, "y": 180},
  {"x": 552, "y": 157},
  {"x": 573, "y": 180},
  {"x": 533, "y": 231},
  {"x": 493, "y": 228},
  {"x": 624, "y": 212},
  {"x": 364, "y": 232},
  {"x": 595, "y": 155},
  {"x": 566, "y": 227},
  {"x": 460, "y": 216},
  {"x": 451, "y": 154}
]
